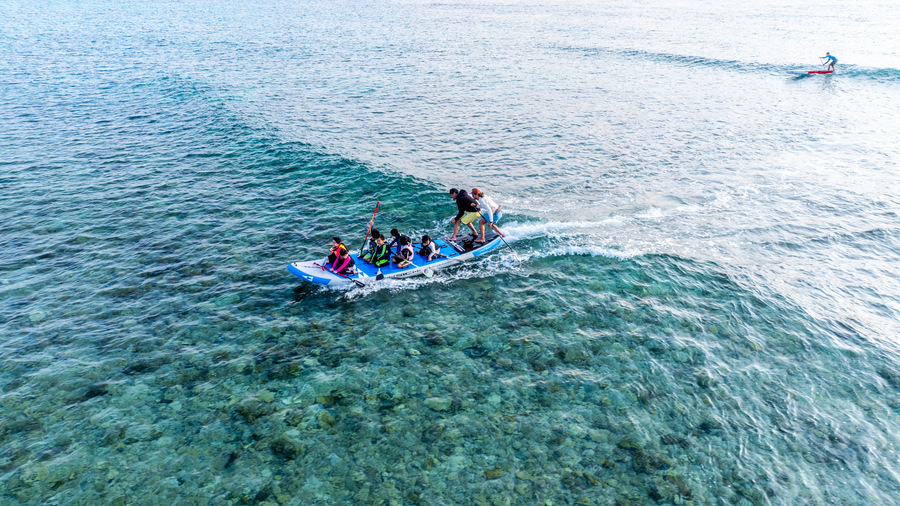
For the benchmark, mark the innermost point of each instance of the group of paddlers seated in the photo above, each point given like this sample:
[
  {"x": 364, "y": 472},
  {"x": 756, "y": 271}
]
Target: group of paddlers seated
[{"x": 380, "y": 253}]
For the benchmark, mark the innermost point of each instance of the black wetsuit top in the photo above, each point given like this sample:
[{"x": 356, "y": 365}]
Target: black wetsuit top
[
  {"x": 394, "y": 241},
  {"x": 465, "y": 204}
]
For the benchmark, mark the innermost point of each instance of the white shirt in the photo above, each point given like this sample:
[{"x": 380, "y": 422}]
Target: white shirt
[
  {"x": 434, "y": 248},
  {"x": 488, "y": 206}
]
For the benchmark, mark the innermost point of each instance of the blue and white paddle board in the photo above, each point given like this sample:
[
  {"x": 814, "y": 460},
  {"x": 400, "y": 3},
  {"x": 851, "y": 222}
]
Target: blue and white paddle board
[{"x": 464, "y": 248}]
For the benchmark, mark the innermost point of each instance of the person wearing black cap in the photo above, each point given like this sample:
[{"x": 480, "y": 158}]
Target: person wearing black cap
[{"x": 468, "y": 211}]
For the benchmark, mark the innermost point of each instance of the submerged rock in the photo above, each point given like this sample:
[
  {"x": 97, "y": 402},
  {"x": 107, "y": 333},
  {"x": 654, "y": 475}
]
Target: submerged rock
[
  {"x": 475, "y": 352},
  {"x": 19, "y": 423},
  {"x": 439, "y": 403},
  {"x": 287, "y": 447},
  {"x": 675, "y": 439},
  {"x": 643, "y": 462},
  {"x": 253, "y": 409},
  {"x": 578, "y": 479},
  {"x": 628, "y": 444},
  {"x": 433, "y": 339},
  {"x": 333, "y": 357},
  {"x": 142, "y": 366},
  {"x": 294, "y": 417},
  {"x": 227, "y": 300},
  {"x": 95, "y": 390},
  {"x": 707, "y": 427},
  {"x": 599, "y": 435},
  {"x": 433, "y": 432},
  {"x": 705, "y": 380},
  {"x": 325, "y": 418},
  {"x": 890, "y": 376}
]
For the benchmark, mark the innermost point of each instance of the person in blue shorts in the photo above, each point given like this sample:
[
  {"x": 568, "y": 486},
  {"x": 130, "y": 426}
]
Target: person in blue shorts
[
  {"x": 490, "y": 213},
  {"x": 829, "y": 60}
]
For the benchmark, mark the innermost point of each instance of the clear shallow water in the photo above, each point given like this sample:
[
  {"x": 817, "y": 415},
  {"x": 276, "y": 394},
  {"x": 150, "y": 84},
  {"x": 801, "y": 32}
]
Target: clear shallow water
[{"x": 707, "y": 310}]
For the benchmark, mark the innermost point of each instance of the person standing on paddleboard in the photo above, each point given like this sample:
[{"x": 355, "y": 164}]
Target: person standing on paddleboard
[
  {"x": 468, "y": 211},
  {"x": 490, "y": 213},
  {"x": 829, "y": 60}
]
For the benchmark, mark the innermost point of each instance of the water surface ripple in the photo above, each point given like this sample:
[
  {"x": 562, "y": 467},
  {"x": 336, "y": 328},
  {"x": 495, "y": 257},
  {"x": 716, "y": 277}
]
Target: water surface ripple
[{"x": 706, "y": 311}]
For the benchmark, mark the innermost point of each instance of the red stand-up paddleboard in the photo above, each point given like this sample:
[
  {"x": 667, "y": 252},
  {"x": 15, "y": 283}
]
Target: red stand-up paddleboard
[{"x": 805, "y": 72}]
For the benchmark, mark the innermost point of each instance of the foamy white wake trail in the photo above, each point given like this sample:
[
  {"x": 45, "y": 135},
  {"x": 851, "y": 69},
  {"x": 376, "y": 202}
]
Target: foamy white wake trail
[
  {"x": 575, "y": 250},
  {"x": 483, "y": 268},
  {"x": 518, "y": 231},
  {"x": 529, "y": 241}
]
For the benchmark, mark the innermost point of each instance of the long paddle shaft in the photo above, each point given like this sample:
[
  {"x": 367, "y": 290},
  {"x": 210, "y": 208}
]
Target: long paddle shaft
[
  {"x": 358, "y": 282},
  {"x": 371, "y": 222},
  {"x": 504, "y": 241}
]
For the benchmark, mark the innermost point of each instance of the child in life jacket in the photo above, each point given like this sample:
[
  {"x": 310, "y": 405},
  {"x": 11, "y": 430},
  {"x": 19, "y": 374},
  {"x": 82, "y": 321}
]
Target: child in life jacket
[
  {"x": 382, "y": 254},
  {"x": 336, "y": 247},
  {"x": 370, "y": 246},
  {"x": 404, "y": 256},
  {"x": 344, "y": 264},
  {"x": 430, "y": 249},
  {"x": 395, "y": 240}
]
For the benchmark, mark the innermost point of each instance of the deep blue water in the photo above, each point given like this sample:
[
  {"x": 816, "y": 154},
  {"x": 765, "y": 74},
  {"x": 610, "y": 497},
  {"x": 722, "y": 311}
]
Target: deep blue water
[{"x": 706, "y": 311}]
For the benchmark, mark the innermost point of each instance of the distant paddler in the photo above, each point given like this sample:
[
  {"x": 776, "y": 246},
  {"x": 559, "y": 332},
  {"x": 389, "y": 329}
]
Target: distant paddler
[{"x": 829, "y": 60}]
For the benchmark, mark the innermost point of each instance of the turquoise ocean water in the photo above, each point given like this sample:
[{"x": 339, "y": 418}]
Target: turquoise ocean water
[{"x": 706, "y": 311}]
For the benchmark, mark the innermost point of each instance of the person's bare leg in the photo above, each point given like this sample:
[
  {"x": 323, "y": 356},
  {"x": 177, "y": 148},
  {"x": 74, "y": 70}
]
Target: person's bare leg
[
  {"x": 481, "y": 227},
  {"x": 455, "y": 230},
  {"x": 497, "y": 229}
]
